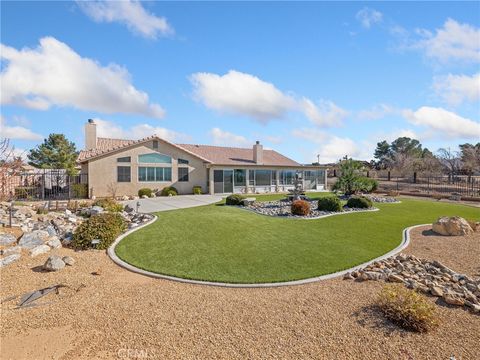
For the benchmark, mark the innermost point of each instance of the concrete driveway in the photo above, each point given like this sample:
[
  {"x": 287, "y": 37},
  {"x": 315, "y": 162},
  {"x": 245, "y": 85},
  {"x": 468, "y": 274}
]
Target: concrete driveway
[{"x": 165, "y": 203}]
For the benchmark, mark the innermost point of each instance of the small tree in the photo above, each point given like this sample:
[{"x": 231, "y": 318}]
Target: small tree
[
  {"x": 349, "y": 174},
  {"x": 10, "y": 165},
  {"x": 450, "y": 161},
  {"x": 56, "y": 152},
  {"x": 470, "y": 156}
]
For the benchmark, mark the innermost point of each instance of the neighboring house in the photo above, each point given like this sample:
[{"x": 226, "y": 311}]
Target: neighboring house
[{"x": 122, "y": 167}]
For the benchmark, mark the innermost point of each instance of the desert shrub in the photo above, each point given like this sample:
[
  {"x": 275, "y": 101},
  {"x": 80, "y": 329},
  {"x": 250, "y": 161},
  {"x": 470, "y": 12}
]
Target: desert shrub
[
  {"x": 366, "y": 185},
  {"x": 23, "y": 192},
  {"x": 359, "y": 202},
  {"x": 407, "y": 308},
  {"x": 169, "y": 191},
  {"x": 197, "y": 190},
  {"x": 105, "y": 227},
  {"x": 234, "y": 199},
  {"x": 329, "y": 203},
  {"x": 80, "y": 191},
  {"x": 109, "y": 204},
  {"x": 300, "y": 207},
  {"x": 145, "y": 191},
  {"x": 393, "y": 193},
  {"x": 42, "y": 211}
]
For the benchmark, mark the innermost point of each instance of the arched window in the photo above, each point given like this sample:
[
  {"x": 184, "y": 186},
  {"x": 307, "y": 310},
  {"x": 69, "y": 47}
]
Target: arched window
[{"x": 154, "y": 158}]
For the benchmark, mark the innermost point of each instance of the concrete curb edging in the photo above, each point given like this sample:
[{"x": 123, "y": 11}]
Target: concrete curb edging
[{"x": 111, "y": 253}]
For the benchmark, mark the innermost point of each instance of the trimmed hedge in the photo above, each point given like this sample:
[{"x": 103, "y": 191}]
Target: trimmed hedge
[
  {"x": 197, "y": 190},
  {"x": 169, "y": 191},
  {"x": 234, "y": 199},
  {"x": 105, "y": 227},
  {"x": 367, "y": 185},
  {"x": 359, "y": 202},
  {"x": 145, "y": 191},
  {"x": 300, "y": 207},
  {"x": 330, "y": 203}
]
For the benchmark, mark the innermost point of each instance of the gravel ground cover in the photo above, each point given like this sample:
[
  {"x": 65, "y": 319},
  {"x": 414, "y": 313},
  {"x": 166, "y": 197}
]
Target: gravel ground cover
[
  {"x": 283, "y": 209},
  {"x": 104, "y": 316}
]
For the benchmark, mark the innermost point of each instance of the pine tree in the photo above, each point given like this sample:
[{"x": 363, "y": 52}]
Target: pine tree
[{"x": 56, "y": 152}]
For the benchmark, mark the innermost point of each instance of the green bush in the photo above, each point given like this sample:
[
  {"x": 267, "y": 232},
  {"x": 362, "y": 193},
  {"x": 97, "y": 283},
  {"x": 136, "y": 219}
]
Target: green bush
[
  {"x": 80, "y": 191},
  {"x": 24, "y": 192},
  {"x": 330, "y": 203},
  {"x": 359, "y": 202},
  {"x": 366, "y": 185},
  {"x": 109, "y": 204},
  {"x": 197, "y": 190},
  {"x": 234, "y": 199},
  {"x": 105, "y": 227},
  {"x": 300, "y": 207},
  {"x": 145, "y": 191},
  {"x": 407, "y": 308},
  {"x": 169, "y": 191}
]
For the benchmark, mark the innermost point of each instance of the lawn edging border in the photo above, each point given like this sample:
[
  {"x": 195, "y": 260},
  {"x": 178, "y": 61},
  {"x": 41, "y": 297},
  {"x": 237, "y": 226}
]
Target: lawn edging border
[{"x": 113, "y": 256}]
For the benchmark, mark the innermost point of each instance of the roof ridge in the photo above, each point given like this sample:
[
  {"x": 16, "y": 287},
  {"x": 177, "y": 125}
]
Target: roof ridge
[{"x": 218, "y": 146}]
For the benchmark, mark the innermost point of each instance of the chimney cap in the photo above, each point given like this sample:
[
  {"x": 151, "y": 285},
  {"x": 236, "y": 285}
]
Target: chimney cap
[
  {"x": 90, "y": 121},
  {"x": 257, "y": 142}
]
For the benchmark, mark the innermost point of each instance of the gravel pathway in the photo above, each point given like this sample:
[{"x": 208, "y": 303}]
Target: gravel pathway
[{"x": 119, "y": 313}]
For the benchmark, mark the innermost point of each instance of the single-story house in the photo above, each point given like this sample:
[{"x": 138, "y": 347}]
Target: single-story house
[{"x": 122, "y": 167}]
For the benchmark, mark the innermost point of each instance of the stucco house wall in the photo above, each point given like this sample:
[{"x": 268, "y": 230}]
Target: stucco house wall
[{"x": 102, "y": 171}]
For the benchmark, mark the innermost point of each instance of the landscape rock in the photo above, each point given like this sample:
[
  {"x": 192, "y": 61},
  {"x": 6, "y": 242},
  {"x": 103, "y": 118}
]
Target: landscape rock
[
  {"x": 452, "y": 226},
  {"x": 395, "y": 278},
  {"x": 38, "y": 250},
  {"x": 11, "y": 250},
  {"x": 54, "y": 242},
  {"x": 436, "y": 291},
  {"x": 33, "y": 239},
  {"x": 7, "y": 239},
  {"x": 453, "y": 300},
  {"x": 68, "y": 260},
  {"x": 9, "y": 259},
  {"x": 54, "y": 263}
]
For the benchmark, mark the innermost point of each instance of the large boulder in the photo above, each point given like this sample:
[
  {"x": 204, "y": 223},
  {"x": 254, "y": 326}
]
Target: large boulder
[
  {"x": 452, "y": 226},
  {"x": 33, "y": 239},
  {"x": 54, "y": 263}
]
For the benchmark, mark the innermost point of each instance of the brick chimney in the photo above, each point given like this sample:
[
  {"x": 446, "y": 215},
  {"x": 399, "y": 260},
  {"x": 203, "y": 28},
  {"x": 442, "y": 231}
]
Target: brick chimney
[
  {"x": 90, "y": 135},
  {"x": 258, "y": 153}
]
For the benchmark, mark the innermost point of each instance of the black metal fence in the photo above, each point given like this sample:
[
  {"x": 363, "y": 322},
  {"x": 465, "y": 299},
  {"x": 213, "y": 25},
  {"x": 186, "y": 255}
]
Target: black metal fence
[
  {"x": 466, "y": 186},
  {"x": 44, "y": 185}
]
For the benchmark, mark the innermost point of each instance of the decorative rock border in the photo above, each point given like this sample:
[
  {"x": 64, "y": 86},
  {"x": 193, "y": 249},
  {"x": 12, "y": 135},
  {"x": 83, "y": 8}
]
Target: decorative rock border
[
  {"x": 294, "y": 217},
  {"x": 111, "y": 253}
]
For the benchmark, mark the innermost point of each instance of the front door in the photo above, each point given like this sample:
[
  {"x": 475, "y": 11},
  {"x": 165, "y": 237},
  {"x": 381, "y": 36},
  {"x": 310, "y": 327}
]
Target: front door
[{"x": 218, "y": 181}]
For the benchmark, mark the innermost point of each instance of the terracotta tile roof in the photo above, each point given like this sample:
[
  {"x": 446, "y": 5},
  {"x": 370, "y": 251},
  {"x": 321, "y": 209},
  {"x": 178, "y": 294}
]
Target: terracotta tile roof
[
  {"x": 238, "y": 156},
  {"x": 213, "y": 154}
]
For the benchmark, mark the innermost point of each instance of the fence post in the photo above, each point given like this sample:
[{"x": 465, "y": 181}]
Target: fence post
[{"x": 388, "y": 175}]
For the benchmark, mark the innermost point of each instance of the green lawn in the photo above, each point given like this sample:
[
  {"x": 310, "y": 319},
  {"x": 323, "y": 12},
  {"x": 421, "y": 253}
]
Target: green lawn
[{"x": 226, "y": 244}]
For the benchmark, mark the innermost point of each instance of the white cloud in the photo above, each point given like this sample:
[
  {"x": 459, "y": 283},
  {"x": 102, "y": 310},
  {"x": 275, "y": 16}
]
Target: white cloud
[
  {"x": 444, "y": 124},
  {"x": 326, "y": 113},
  {"x": 109, "y": 129},
  {"x": 376, "y": 112},
  {"x": 128, "y": 12},
  {"x": 17, "y": 132},
  {"x": 241, "y": 94},
  {"x": 225, "y": 138},
  {"x": 332, "y": 148},
  {"x": 453, "y": 42},
  {"x": 244, "y": 94},
  {"x": 368, "y": 17},
  {"x": 455, "y": 89},
  {"x": 54, "y": 74}
]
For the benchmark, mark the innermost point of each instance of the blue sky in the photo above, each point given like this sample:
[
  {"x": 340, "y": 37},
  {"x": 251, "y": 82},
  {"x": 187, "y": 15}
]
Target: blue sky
[{"x": 307, "y": 79}]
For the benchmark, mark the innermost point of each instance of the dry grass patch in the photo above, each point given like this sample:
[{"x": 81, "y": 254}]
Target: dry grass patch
[{"x": 407, "y": 308}]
